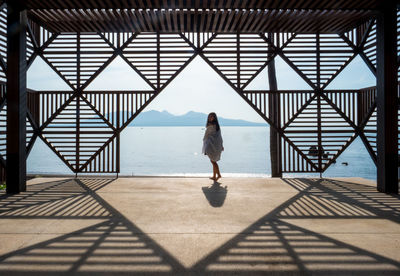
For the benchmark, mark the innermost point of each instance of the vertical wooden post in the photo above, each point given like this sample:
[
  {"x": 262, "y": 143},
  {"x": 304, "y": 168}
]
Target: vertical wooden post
[
  {"x": 274, "y": 115},
  {"x": 119, "y": 110},
  {"x": 238, "y": 59},
  {"x": 387, "y": 126},
  {"x": 319, "y": 111},
  {"x": 319, "y": 134},
  {"x": 78, "y": 99},
  {"x": 158, "y": 62},
  {"x": 16, "y": 99}
]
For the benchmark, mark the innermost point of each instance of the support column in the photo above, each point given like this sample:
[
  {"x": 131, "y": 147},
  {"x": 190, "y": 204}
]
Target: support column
[
  {"x": 274, "y": 112},
  {"x": 16, "y": 99},
  {"x": 387, "y": 178}
]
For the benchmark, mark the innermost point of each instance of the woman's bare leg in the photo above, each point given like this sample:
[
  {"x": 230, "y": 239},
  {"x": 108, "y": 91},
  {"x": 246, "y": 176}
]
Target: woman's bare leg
[
  {"x": 217, "y": 171},
  {"x": 214, "y": 177}
]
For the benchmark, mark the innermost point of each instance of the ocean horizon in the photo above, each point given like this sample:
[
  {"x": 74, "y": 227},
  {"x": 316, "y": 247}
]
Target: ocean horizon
[{"x": 176, "y": 151}]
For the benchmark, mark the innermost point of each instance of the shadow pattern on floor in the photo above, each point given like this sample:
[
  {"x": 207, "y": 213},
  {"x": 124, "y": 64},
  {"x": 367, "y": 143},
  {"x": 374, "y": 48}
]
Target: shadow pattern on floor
[{"x": 270, "y": 246}]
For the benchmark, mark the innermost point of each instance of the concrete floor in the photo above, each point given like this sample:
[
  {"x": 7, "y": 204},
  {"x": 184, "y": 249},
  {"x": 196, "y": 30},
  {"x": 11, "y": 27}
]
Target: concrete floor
[{"x": 241, "y": 226}]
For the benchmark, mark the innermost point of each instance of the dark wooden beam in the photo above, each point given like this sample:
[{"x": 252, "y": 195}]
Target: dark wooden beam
[
  {"x": 16, "y": 100},
  {"x": 387, "y": 125},
  {"x": 274, "y": 115}
]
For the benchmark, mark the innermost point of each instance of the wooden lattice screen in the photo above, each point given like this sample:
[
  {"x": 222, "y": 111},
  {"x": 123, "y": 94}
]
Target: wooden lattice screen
[{"x": 82, "y": 127}]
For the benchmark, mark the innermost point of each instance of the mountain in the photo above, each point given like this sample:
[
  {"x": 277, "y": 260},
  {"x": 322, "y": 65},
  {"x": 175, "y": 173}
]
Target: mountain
[{"x": 157, "y": 118}]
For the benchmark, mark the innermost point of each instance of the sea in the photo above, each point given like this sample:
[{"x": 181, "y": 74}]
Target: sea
[{"x": 176, "y": 151}]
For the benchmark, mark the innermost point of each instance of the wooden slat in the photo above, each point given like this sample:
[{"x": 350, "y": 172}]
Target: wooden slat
[
  {"x": 274, "y": 20},
  {"x": 214, "y": 4}
]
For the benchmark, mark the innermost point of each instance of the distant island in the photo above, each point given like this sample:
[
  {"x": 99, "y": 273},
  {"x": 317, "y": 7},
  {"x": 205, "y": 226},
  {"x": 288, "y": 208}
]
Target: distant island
[{"x": 164, "y": 118}]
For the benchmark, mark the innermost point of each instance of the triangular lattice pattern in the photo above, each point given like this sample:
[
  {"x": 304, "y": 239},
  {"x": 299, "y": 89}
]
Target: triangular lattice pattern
[
  {"x": 280, "y": 40},
  {"x": 238, "y": 57},
  {"x": 106, "y": 160},
  {"x": 82, "y": 55},
  {"x": 367, "y": 101},
  {"x": 292, "y": 103},
  {"x": 158, "y": 57},
  {"x": 259, "y": 100},
  {"x": 320, "y": 69},
  {"x": 293, "y": 159},
  {"x": 50, "y": 103},
  {"x": 65, "y": 63},
  {"x": 355, "y": 36},
  {"x": 370, "y": 131},
  {"x": 335, "y": 132},
  {"x": 303, "y": 131},
  {"x": 369, "y": 47},
  {"x": 335, "y": 55},
  {"x": 352, "y": 36},
  {"x": 44, "y": 35},
  {"x": 84, "y": 132},
  {"x": 3, "y": 128},
  {"x": 29, "y": 132},
  {"x": 129, "y": 105},
  {"x": 95, "y": 52},
  {"x": 346, "y": 102},
  {"x": 29, "y": 46},
  {"x": 117, "y": 39},
  {"x": 302, "y": 53},
  {"x": 198, "y": 39}
]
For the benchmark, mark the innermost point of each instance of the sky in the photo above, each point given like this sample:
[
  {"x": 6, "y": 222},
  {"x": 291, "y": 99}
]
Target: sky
[{"x": 198, "y": 87}]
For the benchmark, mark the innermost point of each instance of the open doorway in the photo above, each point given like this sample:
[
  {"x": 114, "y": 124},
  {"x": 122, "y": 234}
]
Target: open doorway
[{"x": 166, "y": 138}]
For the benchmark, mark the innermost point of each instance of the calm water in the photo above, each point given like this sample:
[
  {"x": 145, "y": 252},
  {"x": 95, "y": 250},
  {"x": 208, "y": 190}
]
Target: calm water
[{"x": 177, "y": 151}]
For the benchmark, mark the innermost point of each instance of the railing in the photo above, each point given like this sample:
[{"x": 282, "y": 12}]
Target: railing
[
  {"x": 315, "y": 128},
  {"x": 83, "y": 130}
]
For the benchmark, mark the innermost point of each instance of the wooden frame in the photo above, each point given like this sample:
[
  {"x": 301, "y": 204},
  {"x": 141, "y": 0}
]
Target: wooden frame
[{"x": 79, "y": 39}]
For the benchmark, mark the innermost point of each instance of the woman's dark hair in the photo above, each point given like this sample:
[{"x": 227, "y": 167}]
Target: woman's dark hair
[{"x": 215, "y": 122}]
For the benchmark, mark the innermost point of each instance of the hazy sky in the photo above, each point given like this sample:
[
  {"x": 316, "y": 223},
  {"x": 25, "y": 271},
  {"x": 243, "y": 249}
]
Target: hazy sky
[{"x": 198, "y": 87}]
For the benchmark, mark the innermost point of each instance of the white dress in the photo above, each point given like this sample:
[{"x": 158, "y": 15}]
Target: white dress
[{"x": 212, "y": 143}]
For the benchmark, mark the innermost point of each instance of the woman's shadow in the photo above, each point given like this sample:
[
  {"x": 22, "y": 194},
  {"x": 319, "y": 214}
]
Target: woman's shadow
[{"x": 215, "y": 194}]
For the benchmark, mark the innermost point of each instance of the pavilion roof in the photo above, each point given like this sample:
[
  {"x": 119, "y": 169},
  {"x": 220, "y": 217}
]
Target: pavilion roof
[{"x": 253, "y": 16}]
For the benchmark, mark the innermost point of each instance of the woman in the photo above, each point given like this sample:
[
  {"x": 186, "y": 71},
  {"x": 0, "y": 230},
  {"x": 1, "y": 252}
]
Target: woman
[{"x": 212, "y": 143}]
